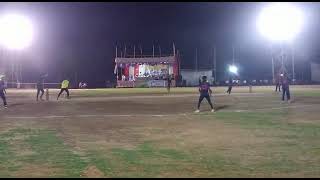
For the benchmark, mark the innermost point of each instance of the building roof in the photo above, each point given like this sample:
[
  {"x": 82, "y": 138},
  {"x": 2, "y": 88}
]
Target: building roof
[{"x": 168, "y": 59}]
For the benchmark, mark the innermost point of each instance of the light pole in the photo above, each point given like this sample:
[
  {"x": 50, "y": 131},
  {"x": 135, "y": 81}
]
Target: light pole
[
  {"x": 280, "y": 23},
  {"x": 292, "y": 53},
  {"x": 272, "y": 64},
  {"x": 16, "y": 34}
]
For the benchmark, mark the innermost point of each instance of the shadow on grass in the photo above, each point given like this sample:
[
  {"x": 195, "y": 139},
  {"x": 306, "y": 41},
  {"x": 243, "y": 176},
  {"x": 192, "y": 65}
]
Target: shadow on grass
[
  {"x": 16, "y": 104},
  {"x": 222, "y": 107}
]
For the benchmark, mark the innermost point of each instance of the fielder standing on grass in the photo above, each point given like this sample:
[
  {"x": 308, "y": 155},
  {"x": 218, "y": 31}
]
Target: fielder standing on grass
[
  {"x": 230, "y": 86},
  {"x": 64, "y": 87},
  {"x": 3, "y": 92},
  {"x": 285, "y": 87},
  {"x": 40, "y": 86},
  {"x": 205, "y": 92},
  {"x": 278, "y": 84}
]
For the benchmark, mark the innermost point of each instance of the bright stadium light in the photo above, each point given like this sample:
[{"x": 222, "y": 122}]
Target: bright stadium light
[
  {"x": 233, "y": 69},
  {"x": 280, "y": 21},
  {"x": 16, "y": 31}
]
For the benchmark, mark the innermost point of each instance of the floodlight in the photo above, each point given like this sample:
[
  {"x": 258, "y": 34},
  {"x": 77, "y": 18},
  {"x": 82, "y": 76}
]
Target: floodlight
[
  {"x": 280, "y": 21},
  {"x": 233, "y": 69},
  {"x": 16, "y": 31}
]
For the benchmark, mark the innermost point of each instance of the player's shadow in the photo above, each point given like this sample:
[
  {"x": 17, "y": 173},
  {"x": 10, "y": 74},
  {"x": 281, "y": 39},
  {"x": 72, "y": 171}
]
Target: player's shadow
[
  {"x": 221, "y": 107},
  {"x": 16, "y": 104}
]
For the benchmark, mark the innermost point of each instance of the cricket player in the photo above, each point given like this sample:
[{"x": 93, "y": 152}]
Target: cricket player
[
  {"x": 64, "y": 87},
  {"x": 278, "y": 83},
  {"x": 285, "y": 87},
  {"x": 40, "y": 86},
  {"x": 205, "y": 92},
  {"x": 230, "y": 86},
  {"x": 3, "y": 92}
]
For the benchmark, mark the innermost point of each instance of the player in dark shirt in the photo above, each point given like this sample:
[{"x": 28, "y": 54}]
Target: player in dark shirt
[
  {"x": 230, "y": 86},
  {"x": 205, "y": 92},
  {"x": 285, "y": 87},
  {"x": 40, "y": 86},
  {"x": 278, "y": 83},
  {"x": 3, "y": 92}
]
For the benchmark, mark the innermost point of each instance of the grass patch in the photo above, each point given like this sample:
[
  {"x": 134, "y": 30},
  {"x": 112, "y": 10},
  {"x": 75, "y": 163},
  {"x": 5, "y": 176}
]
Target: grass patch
[
  {"x": 250, "y": 120},
  {"x": 149, "y": 161},
  {"x": 47, "y": 148},
  {"x": 51, "y": 150},
  {"x": 294, "y": 147}
]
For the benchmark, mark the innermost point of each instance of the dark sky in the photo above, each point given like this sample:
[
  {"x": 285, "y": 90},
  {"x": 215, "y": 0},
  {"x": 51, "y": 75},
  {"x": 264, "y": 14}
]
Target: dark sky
[{"x": 81, "y": 37}]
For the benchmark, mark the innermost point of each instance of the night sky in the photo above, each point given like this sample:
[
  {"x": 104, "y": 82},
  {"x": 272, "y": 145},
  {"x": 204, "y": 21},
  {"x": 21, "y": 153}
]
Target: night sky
[{"x": 80, "y": 38}]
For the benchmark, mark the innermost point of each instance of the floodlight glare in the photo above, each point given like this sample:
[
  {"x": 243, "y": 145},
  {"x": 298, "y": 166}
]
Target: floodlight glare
[
  {"x": 16, "y": 31},
  {"x": 280, "y": 21},
  {"x": 233, "y": 69}
]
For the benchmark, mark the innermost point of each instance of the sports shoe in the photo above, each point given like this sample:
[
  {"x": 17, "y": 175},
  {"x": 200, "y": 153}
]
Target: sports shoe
[
  {"x": 6, "y": 106},
  {"x": 197, "y": 111},
  {"x": 212, "y": 110}
]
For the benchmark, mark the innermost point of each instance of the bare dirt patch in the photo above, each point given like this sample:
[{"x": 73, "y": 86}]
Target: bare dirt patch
[
  {"x": 92, "y": 172},
  {"x": 33, "y": 170}
]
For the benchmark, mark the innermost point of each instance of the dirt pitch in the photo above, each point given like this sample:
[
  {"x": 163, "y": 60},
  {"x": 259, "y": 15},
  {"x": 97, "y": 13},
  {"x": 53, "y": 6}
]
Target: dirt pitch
[{"x": 149, "y": 133}]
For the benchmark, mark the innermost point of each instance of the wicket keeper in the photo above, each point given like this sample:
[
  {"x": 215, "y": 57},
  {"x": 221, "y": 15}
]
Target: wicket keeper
[{"x": 64, "y": 87}]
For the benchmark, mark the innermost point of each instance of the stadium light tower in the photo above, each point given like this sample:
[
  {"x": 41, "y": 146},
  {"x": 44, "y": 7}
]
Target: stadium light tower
[
  {"x": 280, "y": 23},
  {"x": 233, "y": 69},
  {"x": 16, "y": 34},
  {"x": 16, "y": 31}
]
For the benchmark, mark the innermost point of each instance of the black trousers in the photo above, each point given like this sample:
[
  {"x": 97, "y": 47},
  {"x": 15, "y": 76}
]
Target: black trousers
[
  {"x": 61, "y": 91},
  {"x": 229, "y": 89},
  {"x": 3, "y": 97},
  {"x": 38, "y": 92},
  {"x": 278, "y": 86},
  {"x": 285, "y": 91},
  {"x": 168, "y": 87},
  {"x": 208, "y": 99}
]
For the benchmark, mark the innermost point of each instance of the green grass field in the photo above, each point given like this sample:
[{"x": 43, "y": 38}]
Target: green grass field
[{"x": 148, "y": 133}]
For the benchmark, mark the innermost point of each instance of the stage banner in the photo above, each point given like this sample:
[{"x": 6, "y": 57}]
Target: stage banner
[
  {"x": 131, "y": 70},
  {"x": 157, "y": 83},
  {"x": 136, "y": 70},
  {"x": 171, "y": 70},
  {"x": 126, "y": 70},
  {"x": 176, "y": 69}
]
